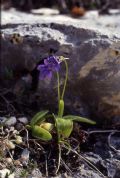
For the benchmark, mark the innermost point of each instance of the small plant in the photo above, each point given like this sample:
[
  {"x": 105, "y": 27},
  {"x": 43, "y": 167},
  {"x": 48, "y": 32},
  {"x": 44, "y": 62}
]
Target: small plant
[
  {"x": 63, "y": 124},
  {"x": 40, "y": 128}
]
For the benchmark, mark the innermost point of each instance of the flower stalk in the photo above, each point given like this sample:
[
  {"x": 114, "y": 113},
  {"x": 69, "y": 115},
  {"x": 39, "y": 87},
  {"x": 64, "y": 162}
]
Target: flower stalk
[
  {"x": 61, "y": 98},
  {"x": 58, "y": 87},
  {"x": 66, "y": 78}
]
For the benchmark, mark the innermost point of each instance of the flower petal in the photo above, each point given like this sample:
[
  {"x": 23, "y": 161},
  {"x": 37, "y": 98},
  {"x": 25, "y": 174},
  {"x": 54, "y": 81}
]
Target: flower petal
[
  {"x": 40, "y": 66},
  {"x": 51, "y": 64}
]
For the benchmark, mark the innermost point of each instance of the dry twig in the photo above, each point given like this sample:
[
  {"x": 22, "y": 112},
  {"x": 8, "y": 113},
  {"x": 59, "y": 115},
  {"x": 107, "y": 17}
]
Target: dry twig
[{"x": 109, "y": 142}]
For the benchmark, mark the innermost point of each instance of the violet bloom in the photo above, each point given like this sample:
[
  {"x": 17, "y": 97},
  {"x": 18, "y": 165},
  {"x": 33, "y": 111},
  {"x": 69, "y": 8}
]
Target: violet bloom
[{"x": 51, "y": 64}]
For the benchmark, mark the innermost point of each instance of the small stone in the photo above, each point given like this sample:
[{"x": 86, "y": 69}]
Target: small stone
[
  {"x": 18, "y": 139},
  {"x": 19, "y": 126},
  {"x": 9, "y": 160},
  {"x": 36, "y": 173},
  {"x": 25, "y": 156},
  {"x": 12, "y": 129},
  {"x": 11, "y": 121},
  {"x": 10, "y": 144},
  {"x": 5, "y": 172},
  {"x": 23, "y": 120},
  {"x": 65, "y": 175},
  {"x": 17, "y": 163}
]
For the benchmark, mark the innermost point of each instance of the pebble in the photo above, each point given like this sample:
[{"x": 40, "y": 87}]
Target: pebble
[
  {"x": 10, "y": 144},
  {"x": 10, "y": 121},
  {"x": 19, "y": 126},
  {"x": 18, "y": 139},
  {"x": 25, "y": 156},
  {"x": 12, "y": 129},
  {"x": 23, "y": 120},
  {"x": 36, "y": 173},
  {"x": 9, "y": 160},
  {"x": 17, "y": 163}
]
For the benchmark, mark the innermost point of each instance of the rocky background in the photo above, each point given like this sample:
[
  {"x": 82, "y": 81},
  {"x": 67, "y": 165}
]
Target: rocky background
[
  {"x": 92, "y": 45},
  {"x": 91, "y": 41}
]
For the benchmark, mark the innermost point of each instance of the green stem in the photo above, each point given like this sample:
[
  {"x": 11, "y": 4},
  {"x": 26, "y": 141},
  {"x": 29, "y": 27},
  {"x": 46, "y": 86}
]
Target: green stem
[
  {"x": 66, "y": 78},
  {"x": 59, "y": 147},
  {"x": 60, "y": 102},
  {"x": 59, "y": 158},
  {"x": 58, "y": 135},
  {"x": 58, "y": 80}
]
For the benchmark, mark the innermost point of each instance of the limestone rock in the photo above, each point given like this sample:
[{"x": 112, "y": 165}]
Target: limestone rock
[
  {"x": 11, "y": 121},
  {"x": 23, "y": 120},
  {"x": 94, "y": 62},
  {"x": 8, "y": 121}
]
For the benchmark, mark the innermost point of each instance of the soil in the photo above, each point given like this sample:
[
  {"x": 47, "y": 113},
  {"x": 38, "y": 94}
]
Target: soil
[{"x": 44, "y": 156}]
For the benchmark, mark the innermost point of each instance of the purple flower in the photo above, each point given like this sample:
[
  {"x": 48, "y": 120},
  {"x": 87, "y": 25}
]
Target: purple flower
[{"x": 51, "y": 64}]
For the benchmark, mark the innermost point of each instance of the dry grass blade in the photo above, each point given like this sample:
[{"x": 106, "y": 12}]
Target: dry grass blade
[
  {"x": 109, "y": 142},
  {"x": 87, "y": 161}
]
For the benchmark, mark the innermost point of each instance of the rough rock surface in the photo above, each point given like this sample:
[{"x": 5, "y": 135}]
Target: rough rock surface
[{"x": 93, "y": 49}]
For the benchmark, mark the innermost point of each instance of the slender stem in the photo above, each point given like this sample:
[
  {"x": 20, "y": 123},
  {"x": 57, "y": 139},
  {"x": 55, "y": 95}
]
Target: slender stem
[
  {"x": 58, "y": 81},
  {"x": 59, "y": 158},
  {"x": 59, "y": 147},
  {"x": 66, "y": 78},
  {"x": 58, "y": 135}
]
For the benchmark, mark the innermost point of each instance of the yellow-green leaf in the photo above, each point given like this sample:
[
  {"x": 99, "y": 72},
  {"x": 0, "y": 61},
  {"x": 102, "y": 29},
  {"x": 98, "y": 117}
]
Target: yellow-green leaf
[
  {"x": 39, "y": 117},
  {"x": 64, "y": 126},
  {"x": 41, "y": 133},
  {"x": 79, "y": 119},
  {"x": 61, "y": 108}
]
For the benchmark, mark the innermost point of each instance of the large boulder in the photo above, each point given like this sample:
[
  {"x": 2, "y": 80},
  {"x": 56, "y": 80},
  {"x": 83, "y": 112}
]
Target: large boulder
[{"x": 94, "y": 61}]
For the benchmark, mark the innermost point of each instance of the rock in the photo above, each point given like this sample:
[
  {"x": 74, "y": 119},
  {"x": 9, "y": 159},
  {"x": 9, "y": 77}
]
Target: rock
[
  {"x": 5, "y": 172},
  {"x": 17, "y": 163},
  {"x": 86, "y": 173},
  {"x": 94, "y": 158},
  {"x": 103, "y": 156},
  {"x": 25, "y": 156},
  {"x": 10, "y": 144},
  {"x": 23, "y": 120},
  {"x": 94, "y": 64},
  {"x": 9, "y": 160},
  {"x": 36, "y": 173},
  {"x": 113, "y": 168},
  {"x": 10, "y": 121},
  {"x": 110, "y": 166},
  {"x": 2, "y": 120},
  {"x": 19, "y": 126}
]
